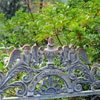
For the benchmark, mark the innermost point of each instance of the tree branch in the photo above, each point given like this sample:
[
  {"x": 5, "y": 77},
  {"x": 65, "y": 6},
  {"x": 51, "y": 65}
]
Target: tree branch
[
  {"x": 27, "y": 2},
  {"x": 59, "y": 39},
  {"x": 41, "y": 6}
]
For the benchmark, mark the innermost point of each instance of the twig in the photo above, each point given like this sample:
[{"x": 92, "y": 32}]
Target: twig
[
  {"x": 27, "y": 2},
  {"x": 59, "y": 39},
  {"x": 28, "y": 5},
  {"x": 41, "y": 5}
]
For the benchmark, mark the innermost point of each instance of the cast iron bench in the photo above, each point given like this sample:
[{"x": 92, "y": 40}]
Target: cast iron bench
[{"x": 44, "y": 78}]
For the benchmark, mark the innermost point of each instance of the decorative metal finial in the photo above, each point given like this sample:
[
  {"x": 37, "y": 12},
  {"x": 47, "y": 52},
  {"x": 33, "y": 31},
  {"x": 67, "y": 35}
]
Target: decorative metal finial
[
  {"x": 50, "y": 42},
  {"x": 50, "y": 51},
  {"x": 26, "y": 47}
]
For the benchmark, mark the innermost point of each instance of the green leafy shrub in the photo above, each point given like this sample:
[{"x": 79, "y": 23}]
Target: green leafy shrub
[{"x": 73, "y": 23}]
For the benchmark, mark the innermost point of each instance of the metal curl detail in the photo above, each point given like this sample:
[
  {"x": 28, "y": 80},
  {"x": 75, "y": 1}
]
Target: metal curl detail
[
  {"x": 1, "y": 95},
  {"x": 78, "y": 87}
]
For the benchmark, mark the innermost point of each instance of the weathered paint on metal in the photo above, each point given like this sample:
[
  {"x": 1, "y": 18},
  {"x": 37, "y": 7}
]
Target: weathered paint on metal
[{"x": 55, "y": 81}]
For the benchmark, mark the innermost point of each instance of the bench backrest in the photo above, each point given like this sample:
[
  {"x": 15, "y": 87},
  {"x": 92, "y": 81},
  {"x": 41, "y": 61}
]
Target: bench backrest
[{"x": 50, "y": 73}]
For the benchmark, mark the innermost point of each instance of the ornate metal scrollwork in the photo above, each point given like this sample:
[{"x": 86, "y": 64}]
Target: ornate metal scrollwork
[{"x": 73, "y": 62}]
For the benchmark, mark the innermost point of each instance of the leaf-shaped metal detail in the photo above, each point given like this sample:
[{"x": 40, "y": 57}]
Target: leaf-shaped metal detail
[
  {"x": 15, "y": 54},
  {"x": 83, "y": 55},
  {"x": 35, "y": 53}
]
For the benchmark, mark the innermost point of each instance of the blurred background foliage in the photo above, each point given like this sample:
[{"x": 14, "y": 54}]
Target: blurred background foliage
[
  {"x": 74, "y": 22},
  {"x": 34, "y": 21}
]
